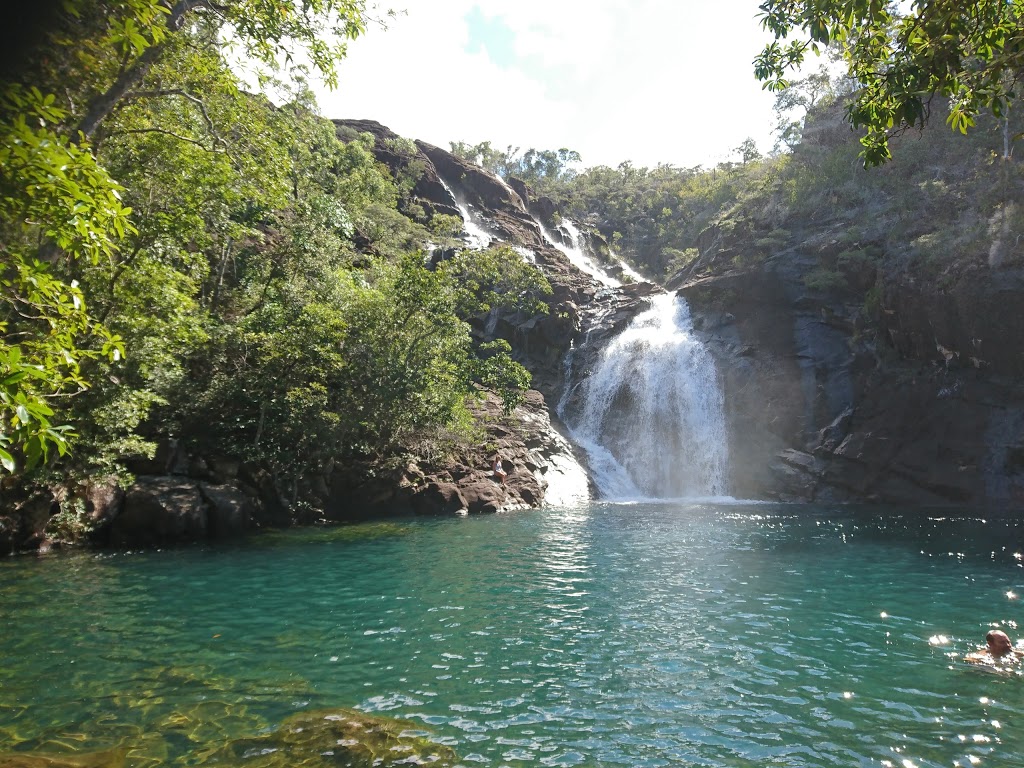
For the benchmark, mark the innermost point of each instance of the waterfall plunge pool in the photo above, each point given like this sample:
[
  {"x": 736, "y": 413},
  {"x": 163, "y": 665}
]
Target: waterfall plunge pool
[{"x": 615, "y": 635}]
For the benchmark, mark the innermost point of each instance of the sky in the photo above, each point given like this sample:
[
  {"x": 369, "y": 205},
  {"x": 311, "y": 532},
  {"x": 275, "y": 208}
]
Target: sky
[{"x": 648, "y": 81}]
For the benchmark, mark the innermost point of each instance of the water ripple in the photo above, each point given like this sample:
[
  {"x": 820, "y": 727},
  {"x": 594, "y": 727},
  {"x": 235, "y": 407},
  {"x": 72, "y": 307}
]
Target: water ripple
[{"x": 648, "y": 635}]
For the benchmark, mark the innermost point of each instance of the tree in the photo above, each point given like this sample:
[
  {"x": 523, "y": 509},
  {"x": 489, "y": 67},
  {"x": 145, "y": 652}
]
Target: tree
[
  {"x": 270, "y": 31},
  {"x": 50, "y": 190},
  {"x": 796, "y": 101},
  {"x": 484, "y": 155},
  {"x": 541, "y": 168},
  {"x": 748, "y": 151},
  {"x": 61, "y": 216},
  {"x": 900, "y": 57}
]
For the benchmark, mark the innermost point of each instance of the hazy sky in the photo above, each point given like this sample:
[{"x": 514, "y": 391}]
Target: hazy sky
[{"x": 645, "y": 80}]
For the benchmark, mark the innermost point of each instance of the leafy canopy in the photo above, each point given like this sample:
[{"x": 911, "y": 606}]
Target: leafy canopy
[
  {"x": 60, "y": 206},
  {"x": 53, "y": 191},
  {"x": 902, "y": 55}
]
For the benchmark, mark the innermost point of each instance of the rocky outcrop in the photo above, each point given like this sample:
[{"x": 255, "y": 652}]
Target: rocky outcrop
[
  {"x": 429, "y": 191},
  {"x": 510, "y": 213},
  {"x": 23, "y": 522},
  {"x": 501, "y": 206},
  {"x": 917, "y": 402},
  {"x": 533, "y": 454},
  {"x": 160, "y": 511}
]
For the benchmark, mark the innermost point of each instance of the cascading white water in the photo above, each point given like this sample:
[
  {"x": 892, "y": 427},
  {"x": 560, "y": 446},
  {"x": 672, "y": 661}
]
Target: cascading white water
[
  {"x": 576, "y": 255},
  {"x": 627, "y": 269},
  {"x": 651, "y": 417},
  {"x": 477, "y": 237}
]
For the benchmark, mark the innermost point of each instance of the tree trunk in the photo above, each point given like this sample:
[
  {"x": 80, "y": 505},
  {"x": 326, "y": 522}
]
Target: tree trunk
[{"x": 102, "y": 106}]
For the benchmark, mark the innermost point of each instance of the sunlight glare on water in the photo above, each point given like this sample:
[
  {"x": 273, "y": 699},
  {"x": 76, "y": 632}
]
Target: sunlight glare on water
[{"x": 633, "y": 635}]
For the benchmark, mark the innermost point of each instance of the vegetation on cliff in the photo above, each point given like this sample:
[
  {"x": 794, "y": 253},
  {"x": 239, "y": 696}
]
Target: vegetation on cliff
[
  {"x": 902, "y": 56},
  {"x": 182, "y": 258},
  {"x": 947, "y": 202}
]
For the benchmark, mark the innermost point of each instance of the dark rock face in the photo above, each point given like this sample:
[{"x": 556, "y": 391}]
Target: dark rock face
[
  {"x": 923, "y": 408},
  {"x": 164, "y": 510},
  {"x": 744, "y": 319},
  {"x": 159, "y": 511},
  {"x": 104, "y": 499},
  {"x": 229, "y": 512},
  {"x": 975, "y": 323},
  {"x": 23, "y": 523},
  {"x": 502, "y": 206}
]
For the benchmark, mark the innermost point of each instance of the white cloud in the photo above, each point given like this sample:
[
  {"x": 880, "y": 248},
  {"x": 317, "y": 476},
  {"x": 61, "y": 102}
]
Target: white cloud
[{"x": 657, "y": 81}]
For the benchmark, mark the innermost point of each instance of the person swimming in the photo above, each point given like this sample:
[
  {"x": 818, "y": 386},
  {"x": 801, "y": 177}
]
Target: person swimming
[{"x": 998, "y": 650}]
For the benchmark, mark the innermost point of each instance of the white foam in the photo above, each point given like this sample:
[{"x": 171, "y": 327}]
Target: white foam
[{"x": 671, "y": 440}]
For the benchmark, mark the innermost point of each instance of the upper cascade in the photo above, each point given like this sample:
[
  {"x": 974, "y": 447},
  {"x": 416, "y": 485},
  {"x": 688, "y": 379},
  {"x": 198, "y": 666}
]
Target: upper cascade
[
  {"x": 477, "y": 237},
  {"x": 577, "y": 257},
  {"x": 651, "y": 415}
]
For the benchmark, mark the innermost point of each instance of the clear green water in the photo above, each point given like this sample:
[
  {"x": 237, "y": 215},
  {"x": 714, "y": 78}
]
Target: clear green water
[{"x": 619, "y": 635}]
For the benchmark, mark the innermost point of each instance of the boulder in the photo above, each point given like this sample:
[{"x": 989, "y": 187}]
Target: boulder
[
  {"x": 158, "y": 511},
  {"x": 229, "y": 511},
  {"x": 485, "y": 496},
  {"x": 104, "y": 499},
  {"x": 436, "y": 498},
  {"x": 23, "y": 524}
]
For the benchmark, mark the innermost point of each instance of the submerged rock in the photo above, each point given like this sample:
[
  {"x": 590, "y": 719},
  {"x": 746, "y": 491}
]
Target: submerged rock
[
  {"x": 342, "y": 737},
  {"x": 113, "y": 758}
]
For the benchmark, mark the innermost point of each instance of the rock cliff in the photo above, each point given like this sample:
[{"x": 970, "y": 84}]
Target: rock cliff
[{"x": 915, "y": 400}]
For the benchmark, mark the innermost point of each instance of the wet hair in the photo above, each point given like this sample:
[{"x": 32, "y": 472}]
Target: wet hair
[{"x": 997, "y": 634}]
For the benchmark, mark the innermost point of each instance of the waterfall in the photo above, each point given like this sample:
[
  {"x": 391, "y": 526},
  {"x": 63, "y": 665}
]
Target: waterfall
[
  {"x": 477, "y": 237},
  {"x": 576, "y": 255},
  {"x": 651, "y": 415},
  {"x": 627, "y": 269}
]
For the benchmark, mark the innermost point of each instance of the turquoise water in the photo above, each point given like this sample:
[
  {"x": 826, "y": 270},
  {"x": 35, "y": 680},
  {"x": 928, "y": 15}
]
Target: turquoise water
[{"x": 613, "y": 635}]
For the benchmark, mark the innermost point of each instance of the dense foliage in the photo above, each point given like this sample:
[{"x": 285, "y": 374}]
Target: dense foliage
[
  {"x": 182, "y": 258},
  {"x": 946, "y": 203},
  {"x": 901, "y": 55}
]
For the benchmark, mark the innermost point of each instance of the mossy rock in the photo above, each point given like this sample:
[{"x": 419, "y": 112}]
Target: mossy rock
[
  {"x": 343, "y": 737},
  {"x": 113, "y": 758}
]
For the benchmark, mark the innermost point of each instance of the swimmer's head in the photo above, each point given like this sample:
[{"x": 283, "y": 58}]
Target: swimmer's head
[{"x": 998, "y": 642}]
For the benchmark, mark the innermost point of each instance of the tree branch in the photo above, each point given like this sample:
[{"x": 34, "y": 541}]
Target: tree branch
[
  {"x": 104, "y": 104},
  {"x": 172, "y": 134},
  {"x": 156, "y": 93}
]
